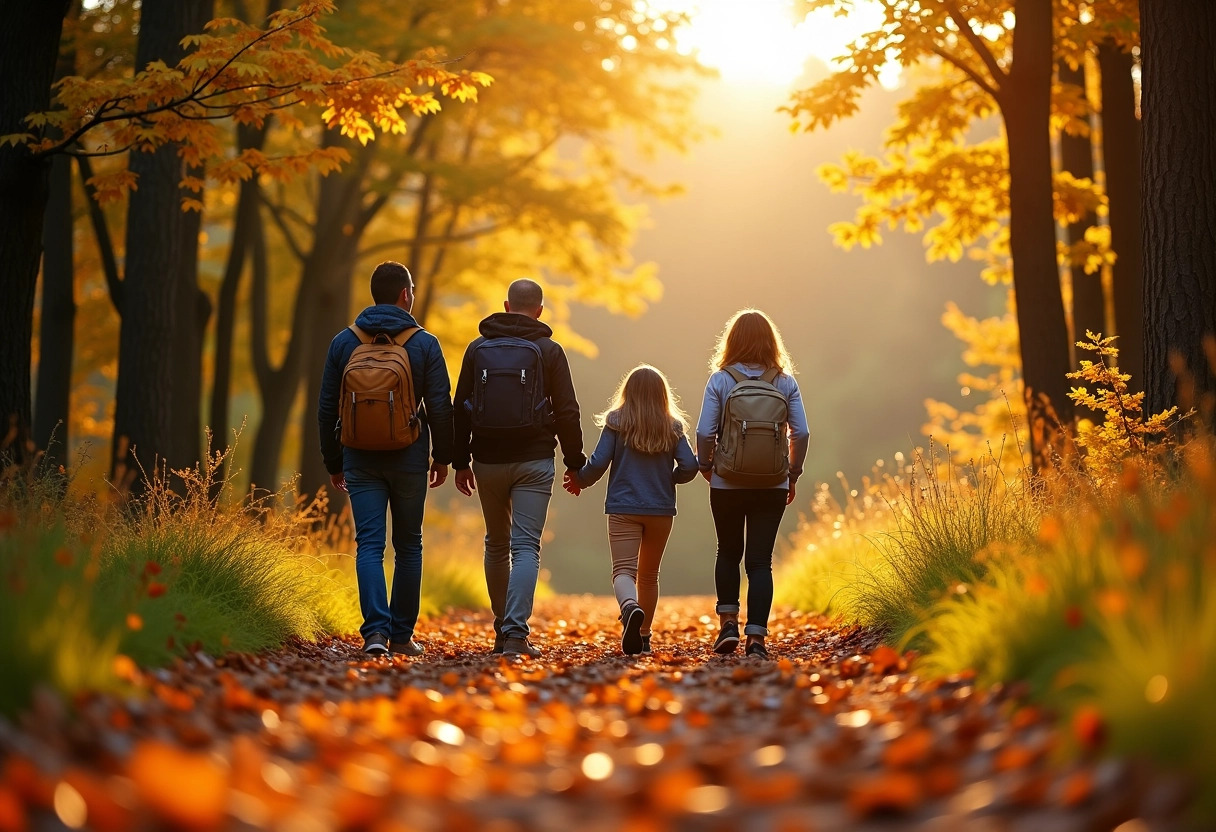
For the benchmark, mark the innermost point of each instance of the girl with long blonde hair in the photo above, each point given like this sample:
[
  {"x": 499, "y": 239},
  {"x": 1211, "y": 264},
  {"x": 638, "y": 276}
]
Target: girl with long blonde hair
[
  {"x": 752, "y": 439},
  {"x": 644, "y": 443}
]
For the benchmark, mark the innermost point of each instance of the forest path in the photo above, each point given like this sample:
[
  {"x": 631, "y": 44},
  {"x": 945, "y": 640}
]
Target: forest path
[{"x": 832, "y": 733}]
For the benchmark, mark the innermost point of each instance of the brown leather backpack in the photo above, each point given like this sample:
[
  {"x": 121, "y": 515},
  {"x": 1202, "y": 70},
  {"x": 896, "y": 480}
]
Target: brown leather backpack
[{"x": 378, "y": 410}]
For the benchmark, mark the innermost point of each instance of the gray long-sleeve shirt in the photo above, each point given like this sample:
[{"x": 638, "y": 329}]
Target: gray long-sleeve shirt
[{"x": 717, "y": 389}]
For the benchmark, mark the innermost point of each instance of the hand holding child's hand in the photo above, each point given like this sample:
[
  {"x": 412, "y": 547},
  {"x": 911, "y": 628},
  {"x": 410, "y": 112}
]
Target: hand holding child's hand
[{"x": 570, "y": 483}]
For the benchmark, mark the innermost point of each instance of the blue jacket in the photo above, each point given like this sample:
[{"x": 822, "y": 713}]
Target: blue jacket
[
  {"x": 639, "y": 483},
  {"x": 717, "y": 389},
  {"x": 431, "y": 386}
]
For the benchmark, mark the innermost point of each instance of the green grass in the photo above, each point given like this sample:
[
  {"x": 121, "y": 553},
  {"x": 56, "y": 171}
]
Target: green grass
[
  {"x": 887, "y": 555},
  {"x": 84, "y": 581}
]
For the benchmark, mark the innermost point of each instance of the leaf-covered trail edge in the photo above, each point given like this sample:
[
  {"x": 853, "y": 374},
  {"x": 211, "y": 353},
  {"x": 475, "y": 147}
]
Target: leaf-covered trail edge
[{"x": 835, "y": 732}]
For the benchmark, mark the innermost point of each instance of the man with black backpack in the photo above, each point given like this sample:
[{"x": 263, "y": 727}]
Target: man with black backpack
[
  {"x": 385, "y": 415},
  {"x": 515, "y": 402}
]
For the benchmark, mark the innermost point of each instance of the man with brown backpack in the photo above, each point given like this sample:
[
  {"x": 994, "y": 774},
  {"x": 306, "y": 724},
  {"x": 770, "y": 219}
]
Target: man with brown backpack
[{"x": 385, "y": 416}]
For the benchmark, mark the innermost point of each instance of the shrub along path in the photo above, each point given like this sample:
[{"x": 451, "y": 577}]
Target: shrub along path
[{"x": 833, "y": 733}]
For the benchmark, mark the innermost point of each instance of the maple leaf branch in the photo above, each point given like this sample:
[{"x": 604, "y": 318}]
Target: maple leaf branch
[
  {"x": 977, "y": 44},
  {"x": 967, "y": 70},
  {"x": 101, "y": 230},
  {"x": 203, "y": 84},
  {"x": 97, "y": 154}
]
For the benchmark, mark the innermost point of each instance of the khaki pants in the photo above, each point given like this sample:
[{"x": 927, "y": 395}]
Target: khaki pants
[{"x": 637, "y": 542}]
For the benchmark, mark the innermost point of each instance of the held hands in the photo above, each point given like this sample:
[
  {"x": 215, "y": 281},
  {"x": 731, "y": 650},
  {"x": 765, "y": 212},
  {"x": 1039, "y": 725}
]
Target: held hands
[
  {"x": 438, "y": 475},
  {"x": 570, "y": 483},
  {"x": 465, "y": 483}
]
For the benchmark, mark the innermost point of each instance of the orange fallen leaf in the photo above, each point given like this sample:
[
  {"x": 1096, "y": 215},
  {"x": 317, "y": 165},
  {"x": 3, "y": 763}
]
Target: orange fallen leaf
[
  {"x": 912, "y": 749},
  {"x": 186, "y": 789},
  {"x": 12, "y": 812},
  {"x": 134, "y": 622},
  {"x": 1076, "y": 789},
  {"x": 896, "y": 792},
  {"x": 883, "y": 660}
]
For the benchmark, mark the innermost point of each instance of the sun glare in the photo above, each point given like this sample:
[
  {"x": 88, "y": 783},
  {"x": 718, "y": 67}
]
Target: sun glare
[{"x": 762, "y": 42}]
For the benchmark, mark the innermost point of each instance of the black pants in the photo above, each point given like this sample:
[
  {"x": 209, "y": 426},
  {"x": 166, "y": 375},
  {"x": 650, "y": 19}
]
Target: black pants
[{"x": 746, "y": 520}]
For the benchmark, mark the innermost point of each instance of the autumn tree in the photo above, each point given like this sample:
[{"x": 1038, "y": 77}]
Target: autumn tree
[
  {"x": 1179, "y": 175},
  {"x": 527, "y": 182},
  {"x": 999, "y": 192},
  {"x": 234, "y": 72}
]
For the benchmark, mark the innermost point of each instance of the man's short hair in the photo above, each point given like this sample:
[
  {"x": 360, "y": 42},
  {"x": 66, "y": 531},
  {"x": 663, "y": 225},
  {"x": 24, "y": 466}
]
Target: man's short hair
[
  {"x": 525, "y": 295},
  {"x": 389, "y": 280}
]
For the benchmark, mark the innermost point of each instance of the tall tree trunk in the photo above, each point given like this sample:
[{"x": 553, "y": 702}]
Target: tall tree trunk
[
  {"x": 332, "y": 314},
  {"x": 159, "y": 356},
  {"x": 1042, "y": 329},
  {"x": 1178, "y": 102},
  {"x": 57, "y": 328},
  {"x": 336, "y": 231},
  {"x": 29, "y": 48},
  {"x": 1077, "y": 158},
  {"x": 244, "y": 224},
  {"x": 1121, "y": 163}
]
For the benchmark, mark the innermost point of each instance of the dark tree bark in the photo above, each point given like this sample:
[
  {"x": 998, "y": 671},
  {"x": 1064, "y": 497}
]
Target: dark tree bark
[
  {"x": 29, "y": 48},
  {"x": 336, "y": 234},
  {"x": 52, "y": 398},
  {"x": 1042, "y": 329},
  {"x": 333, "y": 312},
  {"x": 57, "y": 327},
  {"x": 160, "y": 347},
  {"x": 1178, "y": 102},
  {"x": 244, "y": 225},
  {"x": 1076, "y": 157},
  {"x": 1121, "y": 163}
]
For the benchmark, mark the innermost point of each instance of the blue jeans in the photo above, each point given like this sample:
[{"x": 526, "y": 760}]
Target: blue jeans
[
  {"x": 372, "y": 494},
  {"x": 514, "y": 501}
]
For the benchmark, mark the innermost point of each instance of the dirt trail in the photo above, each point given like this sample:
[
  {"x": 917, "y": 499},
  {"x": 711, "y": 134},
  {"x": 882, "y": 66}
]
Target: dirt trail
[{"x": 832, "y": 733}]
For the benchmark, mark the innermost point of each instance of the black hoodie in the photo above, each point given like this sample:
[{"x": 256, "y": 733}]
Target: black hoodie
[{"x": 559, "y": 387}]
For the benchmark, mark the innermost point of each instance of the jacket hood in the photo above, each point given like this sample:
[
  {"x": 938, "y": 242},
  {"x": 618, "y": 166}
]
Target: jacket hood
[
  {"x": 514, "y": 325},
  {"x": 384, "y": 317}
]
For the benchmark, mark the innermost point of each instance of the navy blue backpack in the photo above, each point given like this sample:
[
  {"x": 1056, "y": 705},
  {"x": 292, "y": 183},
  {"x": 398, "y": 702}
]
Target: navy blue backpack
[{"x": 508, "y": 387}]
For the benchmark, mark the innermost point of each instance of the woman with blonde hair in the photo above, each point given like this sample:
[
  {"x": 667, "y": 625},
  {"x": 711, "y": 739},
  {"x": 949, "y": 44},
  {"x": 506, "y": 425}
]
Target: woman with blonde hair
[
  {"x": 752, "y": 439},
  {"x": 644, "y": 443}
]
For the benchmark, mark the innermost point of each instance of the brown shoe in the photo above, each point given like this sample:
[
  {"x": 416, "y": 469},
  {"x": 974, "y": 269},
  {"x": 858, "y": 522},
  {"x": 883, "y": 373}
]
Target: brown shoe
[
  {"x": 519, "y": 647},
  {"x": 409, "y": 648}
]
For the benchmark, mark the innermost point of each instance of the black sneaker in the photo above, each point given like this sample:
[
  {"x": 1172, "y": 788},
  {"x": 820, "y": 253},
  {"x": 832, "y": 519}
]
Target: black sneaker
[
  {"x": 409, "y": 647},
  {"x": 728, "y": 638},
  {"x": 646, "y": 644},
  {"x": 498, "y": 640},
  {"x": 756, "y": 648},
  {"x": 519, "y": 647},
  {"x": 631, "y": 629},
  {"x": 376, "y": 644}
]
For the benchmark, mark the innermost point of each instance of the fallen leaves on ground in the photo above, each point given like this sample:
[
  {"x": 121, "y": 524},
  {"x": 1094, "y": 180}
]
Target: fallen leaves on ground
[{"x": 835, "y": 731}]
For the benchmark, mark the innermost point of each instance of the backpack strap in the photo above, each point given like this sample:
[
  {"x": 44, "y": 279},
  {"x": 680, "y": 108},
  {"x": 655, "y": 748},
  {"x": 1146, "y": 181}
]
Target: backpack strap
[
  {"x": 367, "y": 338},
  {"x": 735, "y": 374},
  {"x": 770, "y": 375},
  {"x": 408, "y": 333}
]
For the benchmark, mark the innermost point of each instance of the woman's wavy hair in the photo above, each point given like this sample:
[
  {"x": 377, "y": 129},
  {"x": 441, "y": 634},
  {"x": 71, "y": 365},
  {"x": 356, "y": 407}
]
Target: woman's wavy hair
[
  {"x": 645, "y": 412},
  {"x": 751, "y": 337}
]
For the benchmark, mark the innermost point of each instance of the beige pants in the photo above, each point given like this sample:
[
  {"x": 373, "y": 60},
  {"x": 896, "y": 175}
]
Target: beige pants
[{"x": 637, "y": 542}]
